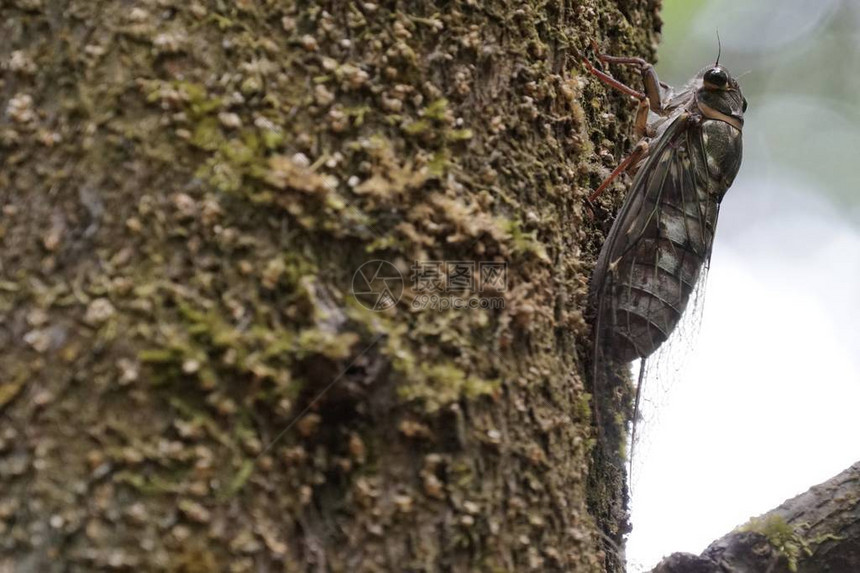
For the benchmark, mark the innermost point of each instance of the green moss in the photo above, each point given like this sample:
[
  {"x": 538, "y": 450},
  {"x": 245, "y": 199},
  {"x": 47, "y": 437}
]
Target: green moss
[
  {"x": 440, "y": 162},
  {"x": 199, "y": 102},
  {"x": 439, "y": 384},
  {"x": 336, "y": 346},
  {"x": 207, "y": 134},
  {"x": 273, "y": 139},
  {"x": 583, "y": 406},
  {"x": 10, "y": 390},
  {"x": 417, "y": 127},
  {"x": 525, "y": 243},
  {"x": 781, "y": 535},
  {"x": 159, "y": 356},
  {"x": 203, "y": 419},
  {"x": 387, "y": 243},
  {"x": 437, "y": 110},
  {"x": 460, "y": 134},
  {"x": 148, "y": 485},
  {"x": 239, "y": 480},
  {"x": 357, "y": 114}
]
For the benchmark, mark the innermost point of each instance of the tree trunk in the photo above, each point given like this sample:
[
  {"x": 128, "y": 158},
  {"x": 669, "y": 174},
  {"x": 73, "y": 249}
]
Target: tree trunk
[
  {"x": 816, "y": 531},
  {"x": 187, "y": 381}
]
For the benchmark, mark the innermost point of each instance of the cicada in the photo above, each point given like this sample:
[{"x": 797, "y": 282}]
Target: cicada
[{"x": 659, "y": 245}]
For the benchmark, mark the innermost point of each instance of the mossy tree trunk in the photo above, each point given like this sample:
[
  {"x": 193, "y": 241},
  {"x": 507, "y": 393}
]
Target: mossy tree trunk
[{"x": 187, "y": 382}]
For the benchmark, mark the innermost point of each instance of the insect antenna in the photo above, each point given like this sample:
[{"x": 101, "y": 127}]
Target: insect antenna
[{"x": 719, "y": 48}]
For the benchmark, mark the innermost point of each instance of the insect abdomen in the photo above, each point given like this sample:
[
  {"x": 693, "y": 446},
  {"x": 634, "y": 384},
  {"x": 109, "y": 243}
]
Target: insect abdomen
[
  {"x": 649, "y": 300},
  {"x": 652, "y": 282}
]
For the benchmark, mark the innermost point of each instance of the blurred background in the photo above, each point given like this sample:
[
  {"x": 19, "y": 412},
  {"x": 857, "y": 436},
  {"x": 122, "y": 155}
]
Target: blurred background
[{"x": 767, "y": 402}]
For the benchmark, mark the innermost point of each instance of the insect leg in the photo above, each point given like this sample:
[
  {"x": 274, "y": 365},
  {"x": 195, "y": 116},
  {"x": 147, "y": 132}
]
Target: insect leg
[
  {"x": 640, "y": 126},
  {"x": 629, "y": 162},
  {"x": 609, "y": 80},
  {"x": 649, "y": 77}
]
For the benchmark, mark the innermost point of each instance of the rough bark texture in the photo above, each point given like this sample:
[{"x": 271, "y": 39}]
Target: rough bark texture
[
  {"x": 187, "y": 189},
  {"x": 814, "y": 532}
]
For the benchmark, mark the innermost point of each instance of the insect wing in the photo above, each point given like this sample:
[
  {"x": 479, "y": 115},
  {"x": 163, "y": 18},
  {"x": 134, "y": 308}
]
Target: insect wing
[
  {"x": 625, "y": 234},
  {"x": 652, "y": 256},
  {"x": 662, "y": 373}
]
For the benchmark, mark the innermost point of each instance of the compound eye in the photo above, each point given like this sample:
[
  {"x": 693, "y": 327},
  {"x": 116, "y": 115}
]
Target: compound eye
[
  {"x": 717, "y": 77},
  {"x": 744, "y": 108}
]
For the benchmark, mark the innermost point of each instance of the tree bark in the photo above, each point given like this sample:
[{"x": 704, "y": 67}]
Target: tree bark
[
  {"x": 818, "y": 530},
  {"x": 187, "y": 382}
]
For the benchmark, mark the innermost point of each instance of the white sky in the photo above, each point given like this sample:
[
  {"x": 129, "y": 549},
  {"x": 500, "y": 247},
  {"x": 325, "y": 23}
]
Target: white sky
[{"x": 768, "y": 402}]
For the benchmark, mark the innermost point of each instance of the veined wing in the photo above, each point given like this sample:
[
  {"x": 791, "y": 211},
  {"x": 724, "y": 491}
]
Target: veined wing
[
  {"x": 656, "y": 247},
  {"x": 644, "y": 192}
]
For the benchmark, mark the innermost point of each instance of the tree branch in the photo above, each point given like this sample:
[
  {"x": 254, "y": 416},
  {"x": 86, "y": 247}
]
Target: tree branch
[{"x": 818, "y": 530}]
